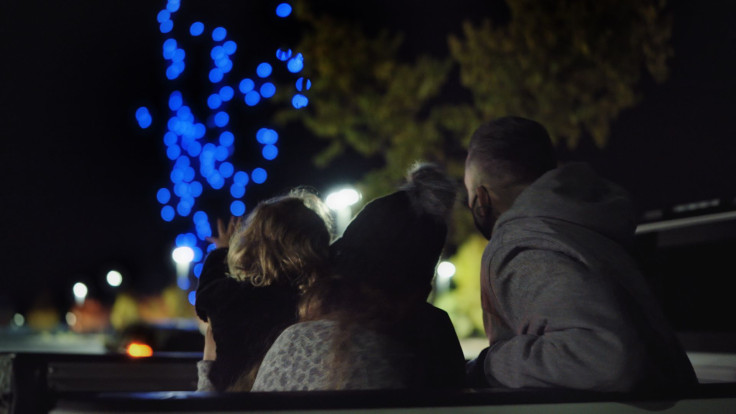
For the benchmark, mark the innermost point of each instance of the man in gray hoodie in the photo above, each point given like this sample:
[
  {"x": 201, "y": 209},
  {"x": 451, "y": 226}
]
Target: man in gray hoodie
[{"x": 564, "y": 303}]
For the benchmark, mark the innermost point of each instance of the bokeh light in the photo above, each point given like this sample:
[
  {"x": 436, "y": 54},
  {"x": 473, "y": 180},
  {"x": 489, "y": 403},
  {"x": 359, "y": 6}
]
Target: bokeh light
[
  {"x": 237, "y": 208},
  {"x": 196, "y": 29},
  {"x": 264, "y": 70},
  {"x": 219, "y": 34},
  {"x": 283, "y": 10},
  {"x": 259, "y": 175},
  {"x": 268, "y": 89}
]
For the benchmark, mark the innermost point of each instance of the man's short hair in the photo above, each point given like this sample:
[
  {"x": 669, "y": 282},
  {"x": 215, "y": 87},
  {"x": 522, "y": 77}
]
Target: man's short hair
[{"x": 513, "y": 149}]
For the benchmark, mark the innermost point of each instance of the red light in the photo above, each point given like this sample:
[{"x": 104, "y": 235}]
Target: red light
[{"x": 138, "y": 350}]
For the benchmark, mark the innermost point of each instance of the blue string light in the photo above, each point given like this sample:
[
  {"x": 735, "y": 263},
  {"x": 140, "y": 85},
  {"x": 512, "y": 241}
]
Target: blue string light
[
  {"x": 237, "y": 190},
  {"x": 163, "y": 16},
  {"x": 196, "y": 29},
  {"x": 252, "y": 98},
  {"x": 167, "y": 213},
  {"x": 227, "y": 138},
  {"x": 259, "y": 176},
  {"x": 166, "y": 26},
  {"x": 283, "y": 55},
  {"x": 270, "y": 152},
  {"x": 143, "y": 117},
  {"x": 241, "y": 178},
  {"x": 192, "y": 296},
  {"x": 246, "y": 85},
  {"x": 173, "y": 5},
  {"x": 226, "y": 93},
  {"x": 216, "y": 75},
  {"x": 264, "y": 70},
  {"x": 295, "y": 64},
  {"x": 221, "y": 119},
  {"x": 237, "y": 208},
  {"x": 219, "y": 34},
  {"x": 230, "y": 47},
  {"x": 303, "y": 84},
  {"x": 299, "y": 101},
  {"x": 163, "y": 195},
  {"x": 268, "y": 89},
  {"x": 283, "y": 10}
]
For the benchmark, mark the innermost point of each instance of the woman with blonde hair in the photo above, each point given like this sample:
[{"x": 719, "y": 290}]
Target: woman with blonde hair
[{"x": 251, "y": 283}]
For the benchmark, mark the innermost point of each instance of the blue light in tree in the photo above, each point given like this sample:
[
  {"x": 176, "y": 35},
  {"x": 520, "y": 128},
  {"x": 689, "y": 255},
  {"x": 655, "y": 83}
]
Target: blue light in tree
[
  {"x": 219, "y": 34},
  {"x": 299, "y": 101},
  {"x": 268, "y": 89},
  {"x": 163, "y": 195},
  {"x": 197, "y": 273},
  {"x": 186, "y": 136},
  {"x": 283, "y": 10},
  {"x": 196, "y": 29},
  {"x": 264, "y": 70},
  {"x": 259, "y": 175},
  {"x": 192, "y": 296},
  {"x": 237, "y": 208},
  {"x": 303, "y": 84},
  {"x": 143, "y": 117}
]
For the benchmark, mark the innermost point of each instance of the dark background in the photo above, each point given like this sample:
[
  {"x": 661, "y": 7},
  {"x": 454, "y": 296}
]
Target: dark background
[{"x": 78, "y": 178}]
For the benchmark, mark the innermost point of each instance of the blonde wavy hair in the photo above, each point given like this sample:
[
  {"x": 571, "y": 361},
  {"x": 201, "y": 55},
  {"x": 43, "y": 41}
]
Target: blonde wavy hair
[{"x": 285, "y": 240}]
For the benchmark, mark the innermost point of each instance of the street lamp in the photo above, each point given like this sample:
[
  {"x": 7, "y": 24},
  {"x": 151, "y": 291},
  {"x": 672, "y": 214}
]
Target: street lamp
[
  {"x": 182, "y": 256},
  {"x": 114, "y": 278},
  {"x": 340, "y": 202},
  {"x": 80, "y": 292},
  {"x": 445, "y": 272}
]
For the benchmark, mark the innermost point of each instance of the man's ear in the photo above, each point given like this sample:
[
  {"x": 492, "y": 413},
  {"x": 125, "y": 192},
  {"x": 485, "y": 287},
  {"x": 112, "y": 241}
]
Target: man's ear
[{"x": 485, "y": 199}]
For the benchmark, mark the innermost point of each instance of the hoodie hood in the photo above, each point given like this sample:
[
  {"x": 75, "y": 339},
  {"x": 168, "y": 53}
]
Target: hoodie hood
[{"x": 575, "y": 194}]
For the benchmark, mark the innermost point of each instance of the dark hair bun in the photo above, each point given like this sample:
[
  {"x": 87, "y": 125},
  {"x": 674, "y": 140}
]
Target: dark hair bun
[{"x": 430, "y": 190}]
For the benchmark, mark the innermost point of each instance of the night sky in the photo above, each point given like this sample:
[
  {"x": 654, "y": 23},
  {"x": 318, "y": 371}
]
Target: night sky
[{"x": 79, "y": 178}]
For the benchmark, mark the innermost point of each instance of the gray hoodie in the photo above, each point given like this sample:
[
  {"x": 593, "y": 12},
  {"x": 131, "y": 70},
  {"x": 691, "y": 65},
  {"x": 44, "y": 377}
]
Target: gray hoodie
[{"x": 564, "y": 302}]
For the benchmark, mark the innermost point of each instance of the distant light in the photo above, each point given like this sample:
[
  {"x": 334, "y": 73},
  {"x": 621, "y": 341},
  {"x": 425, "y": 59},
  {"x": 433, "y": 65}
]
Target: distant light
[
  {"x": 143, "y": 117},
  {"x": 283, "y": 10},
  {"x": 237, "y": 190},
  {"x": 168, "y": 213},
  {"x": 299, "y": 101},
  {"x": 163, "y": 195},
  {"x": 166, "y": 26},
  {"x": 246, "y": 85},
  {"x": 227, "y": 138},
  {"x": 80, "y": 291},
  {"x": 139, "y": 350},
  {"x": 173, "y": 72},
  {"x": 169, "y": 48},
  {"x": 226, "y": 93},
  {"x": 226, "y": 169},
  {"x": 295, "y": 64},
  {"x": 217, "y": 53},
  {"x": 214, "y": 101},
  {"x": 219, "y": 34},
  {"x": 114, "y": 278},
  {"x": 259, "y": 175},
  {"x": 221, "y": 119},
  {"x": 267, "y": 136},
  {"x": 241, "y": 177},
  {"x": 303, "y": 84},
  {"x": 445, "y": 270},
  {"x": 199, "y": 217},
  {"x": 194, "y": 149},
  {"x": 216, "y": 75},
  {"x": 230, "y": 47},
  {"x": 163, "y": 16},
  {"x": 198, "y": 270},
  {"x": 264, "y": 70},
  {"x": 252, "y": 98},
  {"x": 283, "y": 55},
  {"x": 270, "y": 152},
  {"x": 183, "y": 283},
  {"x": 237, "y": 208},
  {"x": 197, "y": 254},
  {"x": 183, "y": 254},
  {"x": 173, "y": 5},
  {"x": 226, "y": 66},
  {"x": 18, "y": 319},
  {"x": 268, "y": 89},
  {"x": 179, "y": 55},
  {"x": 342, "y": 199},
  {"x": 175, "y": 100},
  {"x": 192, "y": 296},
  {"x": 211, "y": 247},
  {"x": 170, "y": 138},
  {"x": 196, "y": 29},
  {"x": 221, "y": 153},
  {"x": 71, "y": 318},
  {"x": 173, "y": 152},
  {"x": 195, "y": 188}
]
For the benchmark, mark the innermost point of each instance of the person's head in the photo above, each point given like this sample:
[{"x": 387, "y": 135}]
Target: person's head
[
  {"x": 285, "y": 241},
  {"x": 394, "y": 243},
  {"x": 505, "y": 155}
]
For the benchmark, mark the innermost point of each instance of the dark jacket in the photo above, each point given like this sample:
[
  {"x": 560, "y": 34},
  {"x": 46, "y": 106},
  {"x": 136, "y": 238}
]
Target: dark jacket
[{"x": 245, "y": 319}]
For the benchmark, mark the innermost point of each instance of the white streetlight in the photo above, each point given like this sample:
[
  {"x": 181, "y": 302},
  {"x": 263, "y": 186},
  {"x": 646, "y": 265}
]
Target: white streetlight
[
  {"x": 80, "y": 292},
  {"x": 340, "y": 202},
  {"x": 114, "y": 278},
  {"x": 183, "y": 256},
  {"x": 445, "y": 272}
]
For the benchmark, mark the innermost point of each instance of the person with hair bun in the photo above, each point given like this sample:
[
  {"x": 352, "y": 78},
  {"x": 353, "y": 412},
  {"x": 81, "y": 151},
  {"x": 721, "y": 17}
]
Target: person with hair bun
[
  {"x": 368, "y": 324},
  {"x": 250, "y": 285}
]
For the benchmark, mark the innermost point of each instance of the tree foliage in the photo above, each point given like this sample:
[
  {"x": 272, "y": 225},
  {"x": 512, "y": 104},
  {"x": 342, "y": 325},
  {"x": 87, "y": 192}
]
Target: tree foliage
[{"x": 573, "y": 65}]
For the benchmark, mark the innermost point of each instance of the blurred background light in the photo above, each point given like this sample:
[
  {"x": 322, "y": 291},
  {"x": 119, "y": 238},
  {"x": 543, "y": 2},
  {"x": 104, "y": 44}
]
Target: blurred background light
[
  {"x": 342, "y": 198},
  {"x": 163, "y": 16},
  {"x": 214, "y": 101},
  {"x": 143, "y": 117},
  {"x": 246, "y": 85},
  {"x": 252, "y": 98},
  {"x": 80, "y": 292},
  {"x": 221, "y": 119},
  {"x": 237, "y": 190},
  {"x": 264, "y": 70},
  {"x": 163, "y": 195},
  {"x": 303, "y": 84},
  {"x": 227, "y": 138},
  {"x": 230, "y": 47},
  {"x": 175, "y": 100},
  {"x": 295, "y": 64},
  {"x": 259, "y": 175},
  {"x": 196, "y": 29},
  {"x": 268, "y": 89},
  {"x": 192, "y": 296},
  {"x": 219, "y": 34},
  {"x": 237, "y": 208},
  {"x": 173, "y": 5},
  {"x": 226, "y": 169},
  {"x": 114, "y": 278},
  {"x": 226, "y": 93},
  {"x": 299, "y": 101},
  {"x": 283, "y": 10},
  {"x": 166, "y": 26},
  {"x": 182, "y": 254},
  {"x": 216, "y": 75},
  {"x": 241, "y": 177},
  {"x": 270, "y": 152},
  {"x": 283, "y": 54},
  {"x": 167, "y": 213}
]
